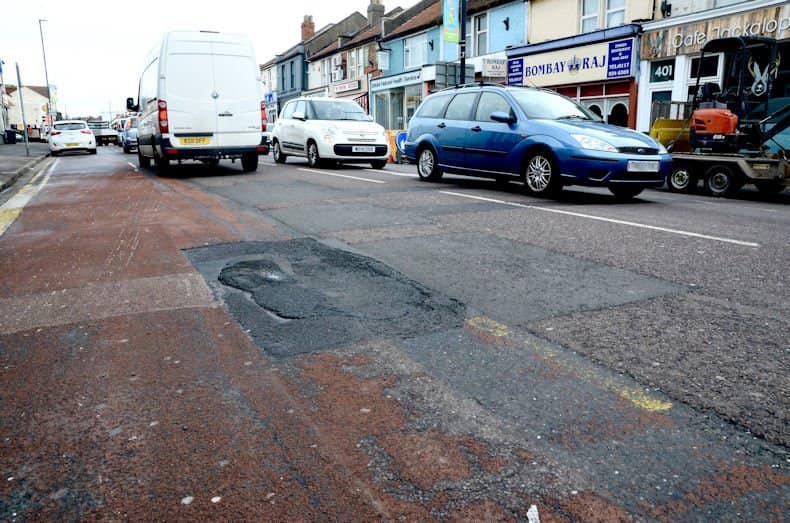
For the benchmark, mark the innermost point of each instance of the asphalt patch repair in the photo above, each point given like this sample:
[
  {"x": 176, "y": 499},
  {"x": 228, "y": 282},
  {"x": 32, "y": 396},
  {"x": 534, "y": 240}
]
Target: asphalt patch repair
[{"x": 300, "y": 296}]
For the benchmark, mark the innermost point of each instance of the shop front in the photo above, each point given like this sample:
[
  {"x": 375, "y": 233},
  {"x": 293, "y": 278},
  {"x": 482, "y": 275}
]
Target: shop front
[
  {"x": 597, "y": 69},
  {"x": 395, "y": 98},
  {"x": 356, "y": 90},
  {"x": 670, "y": 53}
]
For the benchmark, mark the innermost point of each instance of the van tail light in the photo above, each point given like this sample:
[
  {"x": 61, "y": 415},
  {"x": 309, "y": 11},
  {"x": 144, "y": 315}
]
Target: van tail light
[
  {"x": 263, "y": 116},
  {"x": 85, "y": 131},
  {"x": 164, "y": 126},
  {"x": 55, "y": 133}
]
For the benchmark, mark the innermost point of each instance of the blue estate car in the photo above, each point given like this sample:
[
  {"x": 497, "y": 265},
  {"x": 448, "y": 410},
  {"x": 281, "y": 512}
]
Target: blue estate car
[{"x": 534, "y": 135}]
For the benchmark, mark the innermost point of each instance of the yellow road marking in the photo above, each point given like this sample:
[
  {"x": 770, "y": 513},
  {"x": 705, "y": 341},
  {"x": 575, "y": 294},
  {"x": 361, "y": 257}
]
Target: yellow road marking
[
  {"x": 635, "y": 396},
  {"x": 490, "y": 326},
  {"x": 11, "y": 209}
]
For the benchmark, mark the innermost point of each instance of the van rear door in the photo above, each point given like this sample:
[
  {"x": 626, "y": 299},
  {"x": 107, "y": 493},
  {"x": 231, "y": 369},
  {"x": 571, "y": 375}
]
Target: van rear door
[
  {"x": 189, "y": 91},
  {"x": 239, "y": 100}
]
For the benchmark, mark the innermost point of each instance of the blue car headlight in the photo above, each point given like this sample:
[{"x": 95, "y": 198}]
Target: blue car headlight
[{"x": 588, "y": 142}]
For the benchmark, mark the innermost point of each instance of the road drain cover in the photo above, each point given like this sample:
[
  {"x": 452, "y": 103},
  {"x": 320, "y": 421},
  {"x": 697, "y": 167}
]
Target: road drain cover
[{"x": 301, "y": 296}]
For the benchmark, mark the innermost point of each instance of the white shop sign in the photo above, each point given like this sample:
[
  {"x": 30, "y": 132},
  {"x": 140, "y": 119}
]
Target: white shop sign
[{"x": 390, "y": 82}]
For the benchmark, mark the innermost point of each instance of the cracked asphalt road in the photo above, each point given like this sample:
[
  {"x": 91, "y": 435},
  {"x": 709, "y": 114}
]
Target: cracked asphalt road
[{"x": 293, "y": 345}]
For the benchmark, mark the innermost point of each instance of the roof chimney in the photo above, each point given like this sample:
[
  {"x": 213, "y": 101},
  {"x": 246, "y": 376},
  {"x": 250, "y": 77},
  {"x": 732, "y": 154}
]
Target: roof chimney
[
  {"x": 308, "y": 28},
  {"x": 375, "y": 12}
]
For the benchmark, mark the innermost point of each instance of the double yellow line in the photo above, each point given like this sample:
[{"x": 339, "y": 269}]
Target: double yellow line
[
  {"x": 637, "y": 397},
  {"x": 11, "y": 209}
]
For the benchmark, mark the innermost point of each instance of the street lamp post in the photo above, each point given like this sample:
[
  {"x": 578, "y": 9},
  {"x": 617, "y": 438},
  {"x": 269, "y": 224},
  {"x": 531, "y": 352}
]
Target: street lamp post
[
  {"x": 462, "y": 43},
  {"x": 46, "y": 74}
]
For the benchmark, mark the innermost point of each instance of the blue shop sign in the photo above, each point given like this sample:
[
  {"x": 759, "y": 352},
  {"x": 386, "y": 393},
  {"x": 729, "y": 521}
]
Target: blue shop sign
[{"x": 620, "y": 58}]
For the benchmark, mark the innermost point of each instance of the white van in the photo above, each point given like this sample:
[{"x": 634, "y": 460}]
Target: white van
[{"x": 200, "y": 99}]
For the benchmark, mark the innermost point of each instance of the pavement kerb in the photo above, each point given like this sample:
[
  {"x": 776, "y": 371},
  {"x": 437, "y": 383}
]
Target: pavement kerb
[{"x": 29, "y": 166}]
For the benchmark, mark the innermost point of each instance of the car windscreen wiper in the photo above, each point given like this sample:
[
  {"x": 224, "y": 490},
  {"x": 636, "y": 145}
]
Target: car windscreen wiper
[{"x": 572, "y": 117}]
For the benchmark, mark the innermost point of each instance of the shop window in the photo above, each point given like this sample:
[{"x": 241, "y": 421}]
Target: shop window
[
  {"x": 589, "y": 20},
  {"x": 709, "y": 72},
  {"x": 596, "y": 109},
  {"x": 710, "y": 66},
  {"x": 592, "y": 90},
  {"x": 381, "y": 104},
  {"x": 570, "y": 92},
  {"x": 615, "y": 13},
  {"x": 413, "y": 94},
  {"x": 618, "y": 88},
  {"x": 396, "y": 109},
  {"x": 618, "y": 115}
]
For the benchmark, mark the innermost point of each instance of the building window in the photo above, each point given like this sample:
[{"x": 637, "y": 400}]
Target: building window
[
  {"x": 589, "y": 16},
  {"x": 415, "y": 51},
  {"x": 352, "y": 65},
  {"x": 282, "y": 77},
  {"x": 325, "y": 71},
  {"x": 615, "y": 13},
  {"x": 480, "y": 24},
  {"x": 361, "y": 61},
  {"x": 292, "y": 76}
]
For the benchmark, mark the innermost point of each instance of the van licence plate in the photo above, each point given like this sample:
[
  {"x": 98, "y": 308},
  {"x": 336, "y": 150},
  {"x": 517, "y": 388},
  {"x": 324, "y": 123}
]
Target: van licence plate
[
  {"x": 642, "y": 166},
  {"x": 195, "y": 140},
  {"x": 363, "y": 149},
  {"x": 72, "y": 145}
]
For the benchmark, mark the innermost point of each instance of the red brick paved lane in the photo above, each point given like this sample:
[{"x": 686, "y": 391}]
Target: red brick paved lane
[{"x": 128, "y": 392}]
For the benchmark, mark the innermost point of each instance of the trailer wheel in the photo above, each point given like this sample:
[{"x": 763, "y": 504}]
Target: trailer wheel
[
  {"x": 721, "y": 181},
  {"x": 682, "y": 179}
]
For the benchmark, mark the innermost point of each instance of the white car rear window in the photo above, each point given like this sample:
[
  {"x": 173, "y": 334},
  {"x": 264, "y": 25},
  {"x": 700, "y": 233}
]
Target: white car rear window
[{"x": 69, "y": 126}]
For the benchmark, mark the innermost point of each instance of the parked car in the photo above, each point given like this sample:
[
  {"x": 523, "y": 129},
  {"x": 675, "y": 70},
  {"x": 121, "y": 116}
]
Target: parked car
[
  {"x": 129, "y": 135},
  {"x": 71, "y": 135},
  {"x": 120, "y": 126},
  {"x": 533, "y": 135},
  {"x": 328, "y": 129},
  {"x": 200, "y": 99}
]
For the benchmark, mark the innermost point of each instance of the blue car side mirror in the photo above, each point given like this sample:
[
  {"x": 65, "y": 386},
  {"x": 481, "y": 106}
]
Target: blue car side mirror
[{"x": 503, "y": 117}]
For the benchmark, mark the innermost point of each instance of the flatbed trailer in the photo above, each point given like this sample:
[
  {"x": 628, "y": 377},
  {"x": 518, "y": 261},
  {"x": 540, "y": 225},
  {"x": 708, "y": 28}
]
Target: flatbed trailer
[
  {"x": 723, "y": 174},
  {"x": 103, "y": 133}
]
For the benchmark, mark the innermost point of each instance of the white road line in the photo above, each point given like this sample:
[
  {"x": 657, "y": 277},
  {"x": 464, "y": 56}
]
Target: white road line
[
  {"x": 393, "y": 173},
  {"x": 12, "y": 208},
  {"x": 341, "y": 176},
  {"x": 607, "y": 220},
  {"x": 133, "y": 166}
]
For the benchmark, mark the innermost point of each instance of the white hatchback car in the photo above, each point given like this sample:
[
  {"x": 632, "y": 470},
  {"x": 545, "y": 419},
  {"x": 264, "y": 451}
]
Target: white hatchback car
[
  {"x": 71, "y": 135},
  {"x": 328, "y": 130}
]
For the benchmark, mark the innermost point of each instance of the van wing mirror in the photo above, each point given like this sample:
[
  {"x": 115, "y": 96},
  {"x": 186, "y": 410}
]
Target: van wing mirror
[
  {"x": 503, "y": 117},
  {"x": 130, "y": 105}
]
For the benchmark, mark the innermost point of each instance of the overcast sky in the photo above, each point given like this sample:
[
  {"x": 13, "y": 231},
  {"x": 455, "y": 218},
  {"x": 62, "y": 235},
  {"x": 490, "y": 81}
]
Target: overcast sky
[{"x": 95, "y": 49}]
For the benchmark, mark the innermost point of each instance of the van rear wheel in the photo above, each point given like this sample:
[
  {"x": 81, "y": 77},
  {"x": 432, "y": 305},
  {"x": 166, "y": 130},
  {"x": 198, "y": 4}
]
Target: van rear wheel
[
  {"x": 162, "y": 165},
  {"x": 143, "y": 161},
  {"x": 249, "y": 162}
]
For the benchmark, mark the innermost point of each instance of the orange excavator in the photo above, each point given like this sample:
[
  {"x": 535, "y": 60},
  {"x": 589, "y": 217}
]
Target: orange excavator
[{"x": 730, "y": 137}]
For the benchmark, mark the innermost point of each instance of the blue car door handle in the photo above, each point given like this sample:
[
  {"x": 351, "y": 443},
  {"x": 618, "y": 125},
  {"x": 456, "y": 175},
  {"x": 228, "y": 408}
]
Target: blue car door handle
[
  {"x": 442, "y": 125},
  {"x": 476, "y": 129}
]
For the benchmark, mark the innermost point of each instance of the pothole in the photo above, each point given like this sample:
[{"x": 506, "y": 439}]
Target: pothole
[{"x": 305, "y": 296}]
